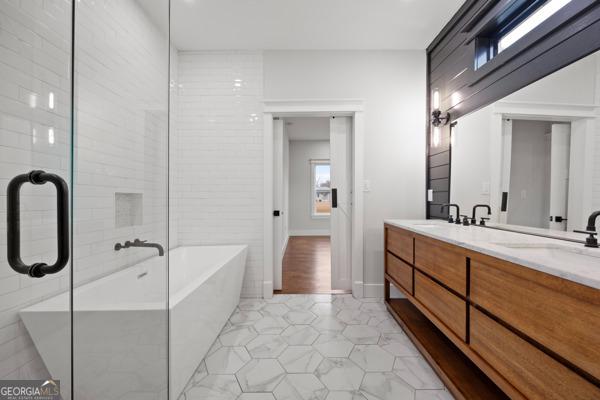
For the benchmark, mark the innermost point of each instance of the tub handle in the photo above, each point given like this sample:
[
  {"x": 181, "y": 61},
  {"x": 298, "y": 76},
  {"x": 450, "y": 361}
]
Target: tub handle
[{"x": 13, "y": 223}]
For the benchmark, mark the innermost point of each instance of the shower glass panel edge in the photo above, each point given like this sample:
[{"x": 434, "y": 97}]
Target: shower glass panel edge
[{"x": 120, "y": 226}]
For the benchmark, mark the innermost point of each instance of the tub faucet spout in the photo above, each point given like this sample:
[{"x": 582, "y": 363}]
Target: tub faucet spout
[{"x": 140, "y": 243}]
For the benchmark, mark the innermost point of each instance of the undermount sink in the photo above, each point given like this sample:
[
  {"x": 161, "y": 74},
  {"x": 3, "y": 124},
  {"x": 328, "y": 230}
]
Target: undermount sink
[{"x": 553, "y": 249}]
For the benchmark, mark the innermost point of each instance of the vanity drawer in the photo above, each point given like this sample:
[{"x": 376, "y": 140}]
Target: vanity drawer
[
  {"x": 562, "y": 316},
  {"x": 448, "y": 308},
  {"x": 399, "y": 243},
  {"x": 529, "y": 370},
  {"x": 400, "y": 271},
  {"x": 443, "y": 262}
]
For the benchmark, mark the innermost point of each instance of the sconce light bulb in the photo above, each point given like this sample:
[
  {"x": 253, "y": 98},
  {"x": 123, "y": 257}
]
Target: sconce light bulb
[
  {"x": 436, "y": 137},
  {"x": 436, "y": 100}
]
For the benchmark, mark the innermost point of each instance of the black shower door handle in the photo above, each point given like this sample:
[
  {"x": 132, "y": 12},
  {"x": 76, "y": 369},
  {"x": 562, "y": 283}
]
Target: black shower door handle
[{"x": 13, "y": 226}]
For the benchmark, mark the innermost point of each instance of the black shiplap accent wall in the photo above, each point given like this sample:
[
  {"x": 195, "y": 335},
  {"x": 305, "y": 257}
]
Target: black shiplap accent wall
[{"x": 570, "y": 34}]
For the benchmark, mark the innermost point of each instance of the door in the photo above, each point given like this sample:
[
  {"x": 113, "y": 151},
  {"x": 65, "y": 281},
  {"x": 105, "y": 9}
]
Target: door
[
  {"x": 341, "y": 198},
  {"x": 560, "y": 149},
  {"x": 35, "y": 189},
  {"x": 278, "y": 203},
  {"x": 505, "y": 169}
]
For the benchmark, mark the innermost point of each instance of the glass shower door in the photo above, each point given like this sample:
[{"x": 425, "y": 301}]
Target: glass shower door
[
  {"x": 120, "y": 204},
  {"x": 35, "y": 183}
]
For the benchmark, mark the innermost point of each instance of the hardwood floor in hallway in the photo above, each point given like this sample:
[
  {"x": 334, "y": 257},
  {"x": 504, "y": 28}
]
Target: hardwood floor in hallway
[{"x": 307, "y": 265}]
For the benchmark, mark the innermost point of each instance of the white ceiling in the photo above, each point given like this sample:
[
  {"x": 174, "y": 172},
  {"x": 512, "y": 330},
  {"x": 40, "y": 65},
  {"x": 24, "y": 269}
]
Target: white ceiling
[
  {"x": 307, "y": 128},
  {"x": 302, "y": 24}
]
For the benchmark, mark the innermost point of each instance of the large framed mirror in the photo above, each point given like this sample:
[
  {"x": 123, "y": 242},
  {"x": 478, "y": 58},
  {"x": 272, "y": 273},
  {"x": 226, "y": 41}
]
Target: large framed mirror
[{"x": 533, "y": 156}]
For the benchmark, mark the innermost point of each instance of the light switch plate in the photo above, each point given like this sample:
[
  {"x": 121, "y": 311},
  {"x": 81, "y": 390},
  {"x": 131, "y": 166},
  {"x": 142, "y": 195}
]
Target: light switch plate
[
  {"x": 429, "y": 194},
  {"x": 485, "y": 188},
  {"x": 367, "y": 186}
]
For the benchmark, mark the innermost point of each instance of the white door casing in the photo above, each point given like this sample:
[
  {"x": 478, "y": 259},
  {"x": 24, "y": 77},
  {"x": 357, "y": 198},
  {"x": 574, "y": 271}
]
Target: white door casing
[
  {"x": 341, "y": 215},
  {"x": 560, "y": 145},
  {"x": 278, "y": 238},
  {"x": 355, "y": 108}
]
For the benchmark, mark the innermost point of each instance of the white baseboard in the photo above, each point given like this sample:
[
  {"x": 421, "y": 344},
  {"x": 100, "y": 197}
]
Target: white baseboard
[
  {"x": 310, "y": 232},
  {"x": 285, "y": 243},
  {"x": 358, "y": 290},
  {"x": 373, "y": 289},
  {"x": 376, "y": 290},
  {"x": 267, "y": 289}
]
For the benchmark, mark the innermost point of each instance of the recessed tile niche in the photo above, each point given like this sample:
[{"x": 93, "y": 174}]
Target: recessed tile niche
[{"x": 128, "y": 209}]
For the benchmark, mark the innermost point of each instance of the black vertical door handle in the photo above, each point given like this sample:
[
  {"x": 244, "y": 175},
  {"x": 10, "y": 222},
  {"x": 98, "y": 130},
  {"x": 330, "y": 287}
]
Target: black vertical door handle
[
  {"x": 13, "y": 225},
  {"x": 334, "y": 198}
]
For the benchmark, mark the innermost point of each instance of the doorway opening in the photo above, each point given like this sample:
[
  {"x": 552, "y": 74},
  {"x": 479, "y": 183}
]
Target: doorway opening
[
  {"x": 346, "y": 139},
  {"x": 311, "y": 190},
  {"x": 537, "y": 173}
]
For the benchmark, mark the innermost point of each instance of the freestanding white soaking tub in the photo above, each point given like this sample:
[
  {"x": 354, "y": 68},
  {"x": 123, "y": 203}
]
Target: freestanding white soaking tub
[{"x": 120, "y": 332}]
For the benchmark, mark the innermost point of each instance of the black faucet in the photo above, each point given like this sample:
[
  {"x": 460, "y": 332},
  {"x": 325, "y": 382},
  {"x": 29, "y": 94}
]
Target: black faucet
[
  {"x": 450, "y": 218},
  {"x": 591, "y": 225},
  {"x": 475, "y": 207},
  {"x": 140, "y": 243},
  {"x": 590, "y": 230}
]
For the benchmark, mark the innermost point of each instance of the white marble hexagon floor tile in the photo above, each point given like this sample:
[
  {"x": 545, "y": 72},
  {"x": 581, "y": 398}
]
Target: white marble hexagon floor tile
[
  {"x": 372, "y": 358},
  {"x": 299, "y": 317},
  {"x": 333, "y": 344},
  {"x": 297, "y": 335},
  {"x": 256, "y": 396},
  {"x": 266, "y": 346},
  {"x": 324, "y": 309},
  {"x": 300, "y": 359},
  {"x": 313, "y": 347},
  {"x": 417, "y": 373},
  {"x": 300, "y": 387},
  {"x": 275, "y": 309},
  {"x": 237, "y": 335},
  {"x": 398, "y": 344},
  {"x": 362, "y": 334},
  {"x": 227, "y": 360},
  {"x": 386, "y": 386}
]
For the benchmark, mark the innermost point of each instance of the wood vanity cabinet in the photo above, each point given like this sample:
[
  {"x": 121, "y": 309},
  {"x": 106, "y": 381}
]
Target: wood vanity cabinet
[{"x": 517, "y": 332}]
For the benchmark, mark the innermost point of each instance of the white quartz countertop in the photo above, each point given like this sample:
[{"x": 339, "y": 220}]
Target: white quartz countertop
[{"x": 568, "y": 260}]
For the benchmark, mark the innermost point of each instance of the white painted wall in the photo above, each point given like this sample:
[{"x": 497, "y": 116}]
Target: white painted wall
[
  {"x": 307, "y": 128},
  {"x": 393, "y": 85},
  {"x": 301, "y": 221}
]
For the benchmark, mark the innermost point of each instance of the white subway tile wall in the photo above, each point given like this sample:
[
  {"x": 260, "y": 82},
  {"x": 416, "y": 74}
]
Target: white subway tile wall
[
  {"x": 219, "y": 183},
  {"x": 122, "y": 77},
  {"x": 35, "y": 52}
]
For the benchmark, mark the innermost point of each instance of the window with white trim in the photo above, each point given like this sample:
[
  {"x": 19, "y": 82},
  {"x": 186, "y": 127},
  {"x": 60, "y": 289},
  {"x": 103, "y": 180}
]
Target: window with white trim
[{"x": 320, "y": 183}]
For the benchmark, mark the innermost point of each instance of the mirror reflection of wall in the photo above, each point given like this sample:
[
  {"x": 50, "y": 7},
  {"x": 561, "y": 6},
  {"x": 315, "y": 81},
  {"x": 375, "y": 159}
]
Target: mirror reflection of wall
[{"x": 539, "y": 146}]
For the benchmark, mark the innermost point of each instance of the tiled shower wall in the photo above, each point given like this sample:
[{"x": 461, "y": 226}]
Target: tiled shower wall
[
  {"x": 35, "y": 53},
  {"x": 219, "y": 184},
  {"x": 121, "y": 126}
]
